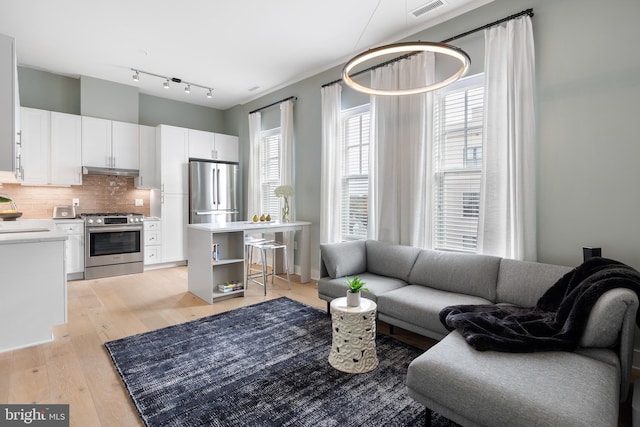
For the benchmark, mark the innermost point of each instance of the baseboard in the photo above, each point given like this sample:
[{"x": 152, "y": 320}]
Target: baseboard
[{"x": 164, "y": 265}]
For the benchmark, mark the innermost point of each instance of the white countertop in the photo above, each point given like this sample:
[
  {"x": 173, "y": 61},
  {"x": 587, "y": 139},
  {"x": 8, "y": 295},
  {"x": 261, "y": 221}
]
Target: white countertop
[
  {"x": 29, "y": 231},
  {"x": 249, "y": 226}
]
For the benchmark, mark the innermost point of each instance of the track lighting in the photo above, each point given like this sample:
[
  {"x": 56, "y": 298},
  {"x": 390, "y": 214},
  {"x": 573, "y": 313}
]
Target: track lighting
[{"x": 168, "y": 80}]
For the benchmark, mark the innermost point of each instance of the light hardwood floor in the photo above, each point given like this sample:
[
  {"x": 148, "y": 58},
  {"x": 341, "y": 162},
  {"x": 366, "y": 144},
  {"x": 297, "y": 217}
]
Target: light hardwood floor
[{"x": 75, "y": 368}]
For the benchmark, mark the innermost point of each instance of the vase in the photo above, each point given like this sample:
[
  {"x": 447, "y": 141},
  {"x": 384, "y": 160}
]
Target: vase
[
  {"x": 285, "y": 210},
  {"x": 353, "y": 299}
]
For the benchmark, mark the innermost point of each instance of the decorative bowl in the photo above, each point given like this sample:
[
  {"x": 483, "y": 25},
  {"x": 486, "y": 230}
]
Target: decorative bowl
[{"x": 10, "y": 216}]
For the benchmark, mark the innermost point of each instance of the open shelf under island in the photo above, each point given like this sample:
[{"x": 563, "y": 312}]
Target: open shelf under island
[{"x": 216, "y": 255}]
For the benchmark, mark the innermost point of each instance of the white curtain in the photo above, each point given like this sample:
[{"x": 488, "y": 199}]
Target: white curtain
[
  {"x": 399, "y": 173},
  {"x": 331, "y": 161},
  {"x": 507, "y": 225},
  {"x": 287, "y": 172},
  {"x": 254, "y": 200}
]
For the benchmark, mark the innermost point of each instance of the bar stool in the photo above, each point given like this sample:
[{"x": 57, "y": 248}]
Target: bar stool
[{"x": 264, "y": 246}]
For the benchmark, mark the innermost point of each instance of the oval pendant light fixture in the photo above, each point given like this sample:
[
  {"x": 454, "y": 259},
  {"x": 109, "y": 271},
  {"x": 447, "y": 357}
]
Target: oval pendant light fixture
[{"x": 408, "y": 49}]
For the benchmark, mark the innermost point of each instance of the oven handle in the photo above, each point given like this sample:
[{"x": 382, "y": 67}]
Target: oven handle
[{"x": 109, "y": 229}]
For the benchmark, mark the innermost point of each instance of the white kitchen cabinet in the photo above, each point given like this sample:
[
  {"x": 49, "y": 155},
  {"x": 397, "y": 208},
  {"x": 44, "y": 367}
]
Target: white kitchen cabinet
[
  {"x": 174, "y": 159},
  {"x": 152, "y": 241},
  {"x": 147, "y": 178},
  {"x": 36, "y": 141},
  {"x": 227, "y": 147},
  {"x": 201, "y": 145},
  {"x": 9, "y": 107},
  {"x": 74, "y": 246},
  {"x": 96, "y": 142},
  {"x": 50, "y": 148},
  {"x": 33, "y": 295},
  {"x": 125, "y": 145},
  {"x": 110, "y": 144},
  {"x": 66, "y": 149},
  {"x": 173, "y": 199},
  {"x": 213, "y": 146},
  {"x": 173, "y": 215}
]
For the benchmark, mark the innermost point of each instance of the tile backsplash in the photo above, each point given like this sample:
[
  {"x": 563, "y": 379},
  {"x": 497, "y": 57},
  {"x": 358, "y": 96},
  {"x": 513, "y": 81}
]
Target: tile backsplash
[{"x": 96, "y": 194}]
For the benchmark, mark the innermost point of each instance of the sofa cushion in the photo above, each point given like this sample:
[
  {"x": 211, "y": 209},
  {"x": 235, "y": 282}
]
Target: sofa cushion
[
  {"x": 421, "y": 306},
  {"x": 390, "y": 260},
  {"x": 345, "y": 258},
  {"x": 605, "y": 320},
  {"x": 515, "y": 389},
  {"x": 523, "y": 283},
  {"x": 376, "y": 285},
  {"x": 468, "y": 274}
]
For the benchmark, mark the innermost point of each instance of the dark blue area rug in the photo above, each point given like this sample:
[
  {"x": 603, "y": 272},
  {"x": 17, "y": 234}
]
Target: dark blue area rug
[{"x": 262, "y": 365}]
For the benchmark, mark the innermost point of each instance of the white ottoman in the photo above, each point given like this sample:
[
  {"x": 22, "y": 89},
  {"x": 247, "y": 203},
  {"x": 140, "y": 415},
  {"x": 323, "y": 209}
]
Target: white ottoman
[{"x": 353, "y": 348}]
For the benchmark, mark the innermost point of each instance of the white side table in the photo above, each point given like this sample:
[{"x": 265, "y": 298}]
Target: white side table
[{"x": 353, "y": 348}]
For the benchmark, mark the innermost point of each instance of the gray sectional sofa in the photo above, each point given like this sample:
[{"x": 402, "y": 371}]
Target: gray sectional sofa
[{"x": 489, "y": 388}]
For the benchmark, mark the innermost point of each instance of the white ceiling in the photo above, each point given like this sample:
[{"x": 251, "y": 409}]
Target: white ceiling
[{"x": 230, "y": 46}]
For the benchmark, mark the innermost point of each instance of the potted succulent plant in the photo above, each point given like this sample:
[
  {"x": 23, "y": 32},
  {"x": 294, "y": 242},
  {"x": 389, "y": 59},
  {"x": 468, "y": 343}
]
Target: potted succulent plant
[{"x": 356, "y": 285}]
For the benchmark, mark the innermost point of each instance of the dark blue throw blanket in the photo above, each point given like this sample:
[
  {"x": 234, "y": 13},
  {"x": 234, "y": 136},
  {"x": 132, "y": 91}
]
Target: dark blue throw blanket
[{"x": 555, "y": 323}]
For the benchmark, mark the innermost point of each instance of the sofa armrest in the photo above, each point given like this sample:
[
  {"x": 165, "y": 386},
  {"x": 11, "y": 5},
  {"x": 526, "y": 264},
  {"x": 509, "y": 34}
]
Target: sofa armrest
[
  {"x": 343, "y": 259},
  {"x": 610, "y": 323},
  {"x": 627, "y": 335}
]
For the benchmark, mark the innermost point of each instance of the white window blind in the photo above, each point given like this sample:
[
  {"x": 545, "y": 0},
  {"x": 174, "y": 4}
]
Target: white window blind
[
  {"x": 270, "y": 171},
  {"x": 355, "y": 178},
  {"x": 459, "y": 114}
]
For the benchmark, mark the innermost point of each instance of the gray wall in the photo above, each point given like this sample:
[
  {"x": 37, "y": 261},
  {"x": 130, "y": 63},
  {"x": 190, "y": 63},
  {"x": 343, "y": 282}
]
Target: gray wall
[
  {"x": 155, "y": 111},
  {"x": 588, "y": 90},
  {"x": 47, "y": 91},
  {"x": 108, "y": 100}
]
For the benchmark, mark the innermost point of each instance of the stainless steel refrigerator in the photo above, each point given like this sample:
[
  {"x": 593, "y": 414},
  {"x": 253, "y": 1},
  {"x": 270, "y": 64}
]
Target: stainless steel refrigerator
[{"x": 213, "y": 192}]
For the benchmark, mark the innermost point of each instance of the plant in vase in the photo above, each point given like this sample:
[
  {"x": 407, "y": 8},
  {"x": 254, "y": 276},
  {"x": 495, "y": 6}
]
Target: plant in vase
[
  {"x": 284, "y": 191},
  {"x": 356, "y": 286}
]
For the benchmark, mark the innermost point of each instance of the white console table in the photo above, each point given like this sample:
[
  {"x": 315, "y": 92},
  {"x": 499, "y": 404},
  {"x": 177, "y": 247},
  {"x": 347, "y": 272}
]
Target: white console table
[{"x": 205, "y": 274}]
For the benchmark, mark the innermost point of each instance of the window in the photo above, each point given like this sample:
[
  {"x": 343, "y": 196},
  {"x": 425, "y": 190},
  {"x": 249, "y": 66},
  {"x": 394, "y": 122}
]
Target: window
[
  {"x": 355, "y": 178},
  {"x": 471, "y": 204},
  {"x": 459, "y": 115},
  {"x": 270, "y": 171}
]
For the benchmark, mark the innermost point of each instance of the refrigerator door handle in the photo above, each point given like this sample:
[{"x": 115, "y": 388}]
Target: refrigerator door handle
[
  {"x": 218, "y": 186},
  {"x": 214, "y": 187},
  {"x": 205, "y": 212}
]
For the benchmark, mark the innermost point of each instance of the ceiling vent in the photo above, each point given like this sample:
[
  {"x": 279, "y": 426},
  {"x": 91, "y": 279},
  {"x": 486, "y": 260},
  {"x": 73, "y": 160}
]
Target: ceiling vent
[{"x": 428, "y": 7}]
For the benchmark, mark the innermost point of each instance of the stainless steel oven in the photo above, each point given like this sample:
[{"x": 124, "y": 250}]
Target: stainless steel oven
[{"x": 114, "y": 244}]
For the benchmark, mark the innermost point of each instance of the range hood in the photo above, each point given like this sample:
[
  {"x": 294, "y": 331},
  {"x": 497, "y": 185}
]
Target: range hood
[{"x": 92, "y": 170}]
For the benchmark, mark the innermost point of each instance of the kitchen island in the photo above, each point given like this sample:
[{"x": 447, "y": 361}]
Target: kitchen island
[
  {"x": 33, "y": 285},
  {"x": 206, "y": 274}
]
